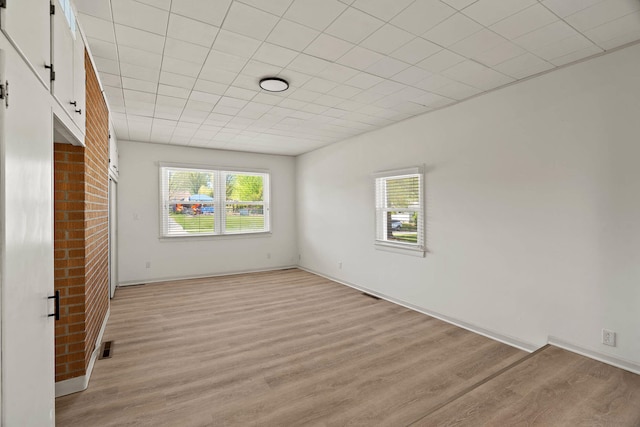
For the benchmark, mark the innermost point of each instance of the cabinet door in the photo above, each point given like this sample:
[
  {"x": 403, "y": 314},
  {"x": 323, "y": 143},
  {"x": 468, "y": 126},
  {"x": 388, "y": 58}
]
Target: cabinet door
[
  {"x": 63, "y": 51},
  {"x": 27, "y": 24},
  {"x": 79, "y": 83}
]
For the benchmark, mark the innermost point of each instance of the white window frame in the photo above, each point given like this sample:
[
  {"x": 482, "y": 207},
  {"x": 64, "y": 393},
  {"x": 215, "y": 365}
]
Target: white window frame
[
  {"x": 380, "y": 212},
  {"x": 220, "y": 204}
]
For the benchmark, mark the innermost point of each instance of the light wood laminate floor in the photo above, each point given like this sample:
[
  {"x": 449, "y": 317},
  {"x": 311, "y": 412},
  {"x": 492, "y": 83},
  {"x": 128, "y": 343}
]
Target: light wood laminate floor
[{"x": 290, "y": 348}]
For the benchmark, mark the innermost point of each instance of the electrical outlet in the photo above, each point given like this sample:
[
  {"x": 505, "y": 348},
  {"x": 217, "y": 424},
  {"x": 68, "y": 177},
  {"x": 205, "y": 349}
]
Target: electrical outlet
[
  {"x": 608, "y": 337},
  {"x": 147, "y": 264}
]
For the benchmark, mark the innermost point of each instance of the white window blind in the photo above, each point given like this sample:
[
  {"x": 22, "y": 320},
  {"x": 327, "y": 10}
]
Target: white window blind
[
  {"x": 197, "y": 202},
  {"x": 400, "y": 209}
]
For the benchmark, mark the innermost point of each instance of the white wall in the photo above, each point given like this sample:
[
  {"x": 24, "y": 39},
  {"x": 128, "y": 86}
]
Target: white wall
[
  {"x": 138, "y": 197},
  {"x": 533, "y": 208}
]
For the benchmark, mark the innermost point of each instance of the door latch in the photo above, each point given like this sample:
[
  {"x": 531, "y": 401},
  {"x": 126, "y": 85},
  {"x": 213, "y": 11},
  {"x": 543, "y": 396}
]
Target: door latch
[
  {"x": 4, "y": 93},
  {"x": 56, "y": 298}
]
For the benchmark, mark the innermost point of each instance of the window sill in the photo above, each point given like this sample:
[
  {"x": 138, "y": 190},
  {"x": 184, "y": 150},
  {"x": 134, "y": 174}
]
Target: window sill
[
  {"x": 215, "y": 236},
  {"x": 400, "y": 249}
]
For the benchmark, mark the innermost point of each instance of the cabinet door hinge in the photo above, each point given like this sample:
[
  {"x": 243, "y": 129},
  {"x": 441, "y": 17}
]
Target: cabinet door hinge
[
  {"x": 52, "y": 72},
  {"x": 3, "y": 4},
  {"x": 4, "y": 93},
  {"x": 52, "y": 9}
]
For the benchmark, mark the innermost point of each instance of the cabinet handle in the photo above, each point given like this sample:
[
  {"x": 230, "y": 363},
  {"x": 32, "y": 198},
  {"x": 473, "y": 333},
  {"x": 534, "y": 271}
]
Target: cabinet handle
[
  {"x": 56, "y": 313},
  {"x": 79, "y": 111},
  {"x": 74, "y": 103}
]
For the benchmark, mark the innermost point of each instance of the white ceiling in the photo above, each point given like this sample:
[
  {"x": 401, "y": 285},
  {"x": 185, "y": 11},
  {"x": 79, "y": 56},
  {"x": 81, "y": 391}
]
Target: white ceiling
[{"x": 186, "y": 72}]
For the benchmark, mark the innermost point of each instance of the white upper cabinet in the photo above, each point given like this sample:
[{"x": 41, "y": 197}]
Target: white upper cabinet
[
  {"x": 68, "y": 60},
  {"x": 26, "y": 23}
]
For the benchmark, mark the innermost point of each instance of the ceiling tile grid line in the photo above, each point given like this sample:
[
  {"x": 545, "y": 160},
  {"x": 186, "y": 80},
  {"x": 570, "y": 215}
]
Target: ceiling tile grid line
[{"x": 186, "y": 72}]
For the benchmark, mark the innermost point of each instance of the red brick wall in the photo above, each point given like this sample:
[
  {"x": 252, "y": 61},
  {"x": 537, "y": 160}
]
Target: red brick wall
[
  {"x": 69, "y": 260},
  {"x": 96, "y": 209},
  {"x": 81, "y": 236}
]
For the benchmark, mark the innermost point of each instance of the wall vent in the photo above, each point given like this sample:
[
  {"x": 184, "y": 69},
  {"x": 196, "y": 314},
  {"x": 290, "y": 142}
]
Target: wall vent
[{"x": 107, "y": 347}]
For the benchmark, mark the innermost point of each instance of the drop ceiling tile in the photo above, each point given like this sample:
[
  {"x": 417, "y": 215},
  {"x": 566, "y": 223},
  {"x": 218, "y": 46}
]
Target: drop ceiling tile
[
  {"x": 246, "y": 82},
  {"x": 204, "y": 97},
  {"x": 241, "y": 93},
  {"x": 434, "y": 83},
  {"x": 477, "y": 43},
  {"x": 178, "y": 66},
  {"x": 544, "y": 36},
  {"x": 103, "y": 49},
  {"x": 139, "y": 85},
  {"x": 114, "y": 94},
  {"x": 276, "y": 7},
  {"x": 140, "y": 57},
  {"x": 415, "y": 51},
  {"x": 345, "y": 91},
  {"x": 210, "y": 87},
  {"x": 267, "y": 98},
  {"x": 190, "y": 52},
  {"x": 236, "y": 44},
  {"x": 360, "y": 58},
  {"x": 617, "y": 32},
  {"x": 195, "y": 105},
  {"x": 258, "y": 70},
  {"x": 423, "y": 15},
  {"x": 564, "y": 8},
  {"x": 317, "y": 14},
  {"x": 457, "y": 90},
  {"x": 140, "y": 16},
  {"x": 500, "y": 53},
  {"x": 224, "y": 61},
  {"x": 304, "y": 95},
  {"x": 364, "y": 80},
  {"x": 308, "y": 64},
  {"x": 178, "y": 80},
  {"x": 564, "y": 47},
  {"x": 292, "y": 103},
  {"x": 112, "y": 80},
  {"x": 488, "y": 12},
  {"x": 454, "y": 29},
  {"x": 328, "y": 47},
  {"x": 249, "y": 21},
  {"x": 98, "y": 9},
  {"x": 138, "y": 72},
  {"x": 525, "y": 21},
  {"x": 328, "y": 100},
  {"x": 161, "y": 4},
  {"x": 337, "y": 73},
  {"x": 177, "y": 92},
  {"x": 382, "y": 9},
  {"x": 576, "y": 56},
  {"x": 441, "y": 61},
  {"x": 387, "y": 39},
  {"x": 274, "y": 55},
  {"x": 524, "y": 66},
  {"x": 139, "y": 39},
  {"x": 354, "y": 26},
  {"x": 459, "y": 4},
  {"x": 292, "y": 35},
  {"x": 477, "y": 75},
  {"x": 97, "y": 28},
  {"x": 387, "y": 67},
  {"x": 601, "y": 13},
  {"x": 137, "y": 96},
  {"x": 387, "y": 87},
  {"x": 411, "y": 75},
  {"x": 190, "y": 30},
  {"x": 319, "y": 85},
  {"x": 211, "y": 11}
]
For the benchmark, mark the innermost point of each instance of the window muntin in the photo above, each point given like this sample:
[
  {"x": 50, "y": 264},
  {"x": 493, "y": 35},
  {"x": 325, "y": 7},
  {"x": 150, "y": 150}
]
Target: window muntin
[
  {"x": 399, "y": 209},
  {"x": 68, "y": 14},
  {"x": 206, "y": 202}
]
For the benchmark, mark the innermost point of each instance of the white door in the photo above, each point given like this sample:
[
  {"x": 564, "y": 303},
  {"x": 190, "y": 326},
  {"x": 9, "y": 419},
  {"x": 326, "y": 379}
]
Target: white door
[
  {"x": 27, "y": 23},
  {"x": 113, "y": 235},
  {"x": 26, "y": 247}
]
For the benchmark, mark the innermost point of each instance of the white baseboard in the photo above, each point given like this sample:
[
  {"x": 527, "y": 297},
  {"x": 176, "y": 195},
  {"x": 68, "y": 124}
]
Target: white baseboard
[
  {"x": 627, "y": 365},
  {"x": 202, "y": 276},
  {"x": 74, "y": 385},
  {"x": 513, "y": 342}
]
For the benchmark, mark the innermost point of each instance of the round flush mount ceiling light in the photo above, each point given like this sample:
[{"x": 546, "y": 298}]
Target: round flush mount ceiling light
[{"x": 274, "y": 84}]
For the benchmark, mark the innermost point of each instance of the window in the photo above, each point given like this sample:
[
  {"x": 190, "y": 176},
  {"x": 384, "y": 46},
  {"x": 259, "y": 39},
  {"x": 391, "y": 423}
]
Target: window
[
  {"x": 399, "y": 209},
  {"x": 205, "y": 202},
  {"x": 68, "y": 13}
]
